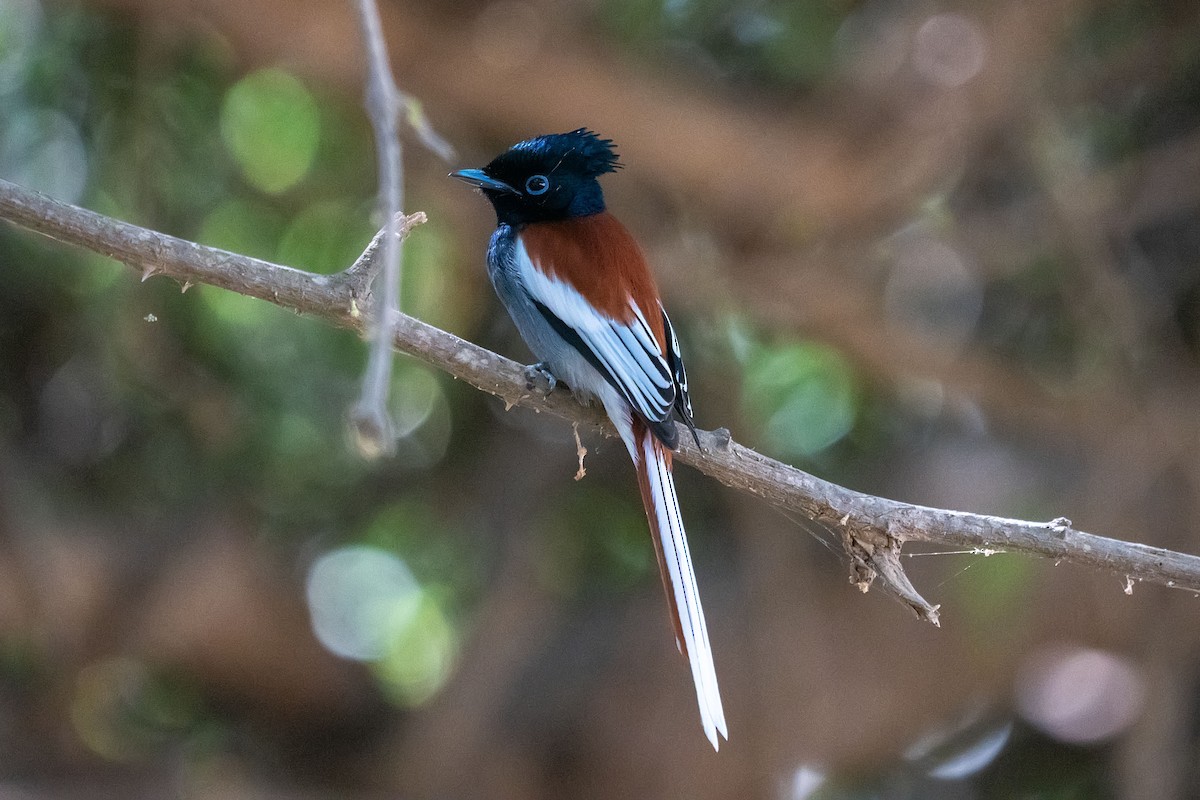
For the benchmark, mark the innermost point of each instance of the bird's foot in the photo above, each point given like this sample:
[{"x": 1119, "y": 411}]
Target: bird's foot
[{"x": 533, "y": 371}]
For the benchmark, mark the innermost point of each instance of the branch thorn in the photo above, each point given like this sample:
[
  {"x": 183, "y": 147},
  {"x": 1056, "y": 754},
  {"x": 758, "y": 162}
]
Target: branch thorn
[{"x": 580, "y": 451}]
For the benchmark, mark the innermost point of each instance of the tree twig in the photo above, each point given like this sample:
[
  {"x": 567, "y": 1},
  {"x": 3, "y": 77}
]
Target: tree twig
[
  {"x": 371, "y": 421},
  {"x": 873, "y": 528}
]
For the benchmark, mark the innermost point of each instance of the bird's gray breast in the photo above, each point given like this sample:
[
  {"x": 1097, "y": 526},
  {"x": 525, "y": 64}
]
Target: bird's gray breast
[{"x": 505, "y": 272}]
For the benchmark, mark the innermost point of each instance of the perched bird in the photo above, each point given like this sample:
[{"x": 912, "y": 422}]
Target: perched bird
[{"x": 577, "y": 287}]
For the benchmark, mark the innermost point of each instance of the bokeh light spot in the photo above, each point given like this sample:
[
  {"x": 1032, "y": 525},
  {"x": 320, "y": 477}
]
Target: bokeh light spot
[
  {"x": 360, "y": 598},
  {"x": 20, "y": 24},
  {"x": 806, "y": 780},
  {"x": 270, "y": 124},
  {"x": 975, "y": 756},
  {"x": 949, "y": 50},
  {"x": 366, "y": 605},
  {"x": 43, "y": 149},
  {"x": 416, "y": 394},
  {"x": 1080, "y": 695},
  {"x": 933, "y": 290}
]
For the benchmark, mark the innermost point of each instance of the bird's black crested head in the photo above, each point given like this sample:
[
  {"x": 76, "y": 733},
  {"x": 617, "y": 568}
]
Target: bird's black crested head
[
  {"x": 580, "y": 152},
  {"x": 546, "y": 178}
]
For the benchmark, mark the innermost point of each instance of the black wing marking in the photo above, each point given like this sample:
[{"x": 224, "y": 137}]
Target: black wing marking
[
  {"x": 663, "y": 427},
  {"x": 683, "y": 401}
]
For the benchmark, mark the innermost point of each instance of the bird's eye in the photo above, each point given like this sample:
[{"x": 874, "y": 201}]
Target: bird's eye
[{"x": 537, "y": 184}]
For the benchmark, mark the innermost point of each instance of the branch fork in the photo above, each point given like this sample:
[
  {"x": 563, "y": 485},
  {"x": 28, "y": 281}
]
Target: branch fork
[{"x": 876, "y": 556}]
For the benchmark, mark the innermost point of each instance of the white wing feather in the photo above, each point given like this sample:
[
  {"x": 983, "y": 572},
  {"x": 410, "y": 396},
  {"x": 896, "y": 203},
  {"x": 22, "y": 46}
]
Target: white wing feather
[{"x": 628, "y": 352}]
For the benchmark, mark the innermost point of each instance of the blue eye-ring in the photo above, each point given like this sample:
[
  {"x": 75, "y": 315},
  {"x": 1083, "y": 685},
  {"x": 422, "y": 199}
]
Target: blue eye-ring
[{"x": 537, "y": 184}]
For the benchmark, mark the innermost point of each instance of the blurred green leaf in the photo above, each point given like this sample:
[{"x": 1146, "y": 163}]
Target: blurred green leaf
[
  {"x": 269, "y": 122},
  {"x": 993, "y": 594},
  {"x": 803, "y": 395},
  {"x": 429, "y": 540},
  {"x": 20, "y": 24},
  {"x": 243, "y": 226},
  {"x": 233, "y": 310},
  {"x": 419, "y": 660},
  {"x": 596, "y": 535},
  {"x": 121, "y": 709},
  {"x": 430, "y": 287},
  {"x": 326, "y": 236}
]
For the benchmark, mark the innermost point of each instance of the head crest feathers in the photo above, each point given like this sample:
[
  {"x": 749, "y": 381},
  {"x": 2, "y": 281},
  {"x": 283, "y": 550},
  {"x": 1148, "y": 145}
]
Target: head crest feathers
[{"x": 580, "y": 150}]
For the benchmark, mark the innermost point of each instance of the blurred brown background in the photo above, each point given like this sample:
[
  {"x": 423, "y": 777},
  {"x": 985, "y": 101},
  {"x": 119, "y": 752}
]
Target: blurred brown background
[{"x": 947, "y": 253}]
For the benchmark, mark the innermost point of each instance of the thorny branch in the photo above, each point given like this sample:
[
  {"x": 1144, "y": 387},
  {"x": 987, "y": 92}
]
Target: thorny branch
[{"x": 873, "y": 529}]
